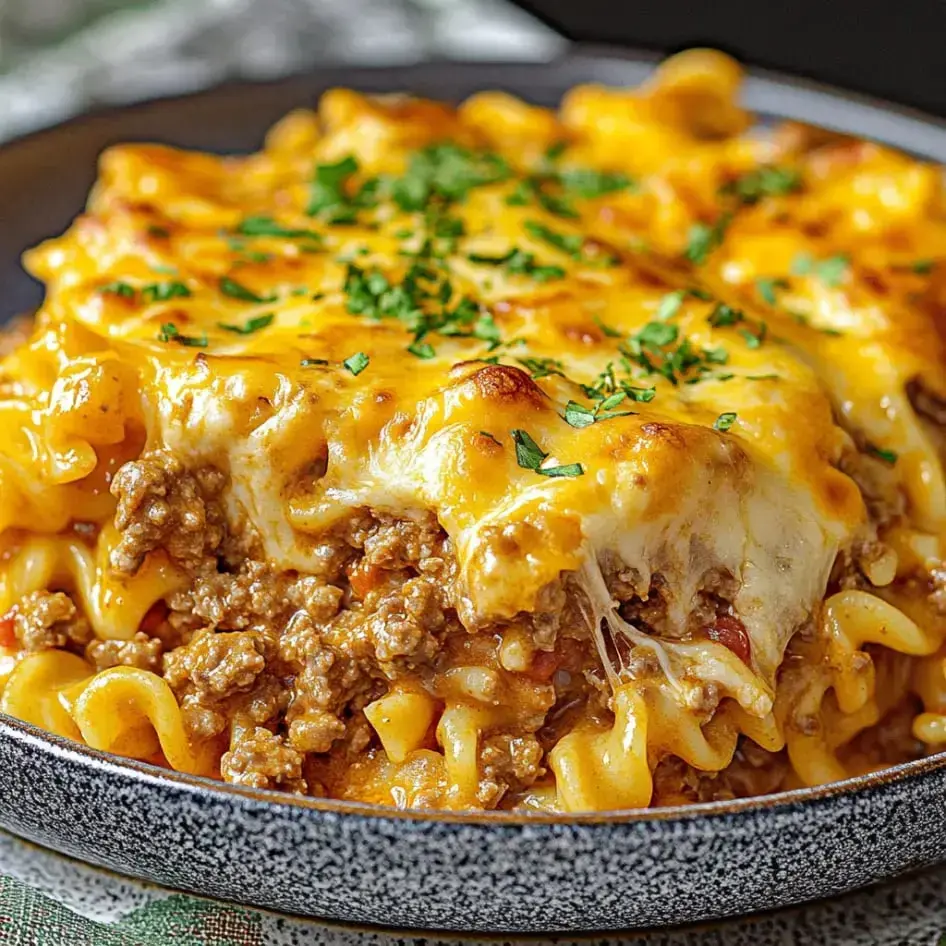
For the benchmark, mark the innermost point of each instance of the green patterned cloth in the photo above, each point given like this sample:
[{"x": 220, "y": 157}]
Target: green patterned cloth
[{"x": 30, "y": 918}]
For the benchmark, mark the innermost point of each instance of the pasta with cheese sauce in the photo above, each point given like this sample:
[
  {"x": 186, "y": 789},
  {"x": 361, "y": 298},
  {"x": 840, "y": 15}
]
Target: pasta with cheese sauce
[{"x": 489, "y": 456}]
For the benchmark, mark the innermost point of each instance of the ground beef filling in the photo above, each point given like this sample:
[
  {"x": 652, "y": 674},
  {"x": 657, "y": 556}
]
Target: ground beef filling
[
  {"x": 45, "y": 620},
  {"x": 279, "y": 666}
]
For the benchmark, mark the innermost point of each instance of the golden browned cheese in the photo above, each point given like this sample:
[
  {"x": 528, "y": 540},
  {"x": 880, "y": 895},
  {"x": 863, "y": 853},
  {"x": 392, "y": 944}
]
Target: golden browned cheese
[{"x": 637, "y": 328}]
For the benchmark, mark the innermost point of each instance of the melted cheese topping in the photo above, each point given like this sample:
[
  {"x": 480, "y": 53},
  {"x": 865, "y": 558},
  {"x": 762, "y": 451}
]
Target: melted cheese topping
[{"x": 201, "y": 305}]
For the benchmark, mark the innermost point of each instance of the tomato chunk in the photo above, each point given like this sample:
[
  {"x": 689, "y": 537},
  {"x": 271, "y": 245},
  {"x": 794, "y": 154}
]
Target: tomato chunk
[
  {"x": 7, "y": 635},
  {"x": 364, "y": 578},
  {"x": 731, "y": 632}
]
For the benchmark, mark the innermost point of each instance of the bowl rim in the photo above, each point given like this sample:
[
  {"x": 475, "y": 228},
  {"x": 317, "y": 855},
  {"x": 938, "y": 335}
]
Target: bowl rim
[
  {"x": 763, "y": 91},
  {"x": 118, "y": 767}
]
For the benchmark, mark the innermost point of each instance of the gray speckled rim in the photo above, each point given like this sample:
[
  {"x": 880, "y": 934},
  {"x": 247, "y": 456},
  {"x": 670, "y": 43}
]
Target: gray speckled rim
[
  {"x": 111, "y": 765},
  {"x": 494, "y": 872}
]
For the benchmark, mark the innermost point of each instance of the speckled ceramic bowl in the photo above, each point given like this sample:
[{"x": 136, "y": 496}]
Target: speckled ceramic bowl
[{"x": 355, "y": 863}]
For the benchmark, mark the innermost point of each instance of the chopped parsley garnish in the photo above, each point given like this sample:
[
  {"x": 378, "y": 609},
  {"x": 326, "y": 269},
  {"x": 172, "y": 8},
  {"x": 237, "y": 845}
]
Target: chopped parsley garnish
[
  {"x": 162, "y": 233},
  {"x": 530, "y": 456},
  {"x": 489, "y": 436},
  {"x": 888, "y": 456},
  {"x": 230, "y": 287},
  {"x": 248, "y": 256},
  {"x": 569, "y": 243},
  {"x": 725, "y": 421},
  {"x": 577, "y": 415},
  {"x": 763, "y": 182},
  {"x": 170, "y": 333},
  {"x": 657, "y": 334},
  {"x": 118, "y": 288},
  {"x": 153, "y": 292},
  {"x": 356, "y": 363},
  {"x": 670, "y": 304},
  {"x": 767, "y": 286},
  {"x": 266, "y": 226},
  {"x": 703, "y": 239},
  {"x": 421, "y": 349},
  {"x": 606, "y": 330},
  {"x": 606, "y": 386},
  {"x": 521, "y": 195},
  {"x": 312, "y": 362},
  {"x": 447, "y": 171},
  {"x": 922, "y": 267},
  {"x": 587, "y": 183},
  {"x": 164, "y": 291},
  {"x": 328, "y": 198},
  {"x": 830, "y": 271},
  {"x": 517, "y": 262},
  {"x": 250, "y": 326},
  {"x": 555, "y": 190},
  {"x": 755, "y": 339},
  {"x": 658, "y": 348},
  {"x": 542, "y": 367},
  {"x": 724, "y": 314}
]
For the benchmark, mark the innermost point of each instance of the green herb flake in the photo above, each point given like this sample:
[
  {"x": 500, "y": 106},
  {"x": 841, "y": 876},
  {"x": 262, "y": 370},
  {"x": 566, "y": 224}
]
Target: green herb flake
[
  {"x": 542, "y": 367},
  {"x": 421, "y": 349},
  {"x": 569, "y": 243},
  {"x": 250, "y": 326},
  {"x": 261, "y": 226},
  {"x": 170, "y": 333},
  {"x": 519, "y": 263},
  {"x": 118, "y": 288},
  {"x": 657, "y": 334},
  {"x": 327, "y": 197},
  {"x": 832, "y": 270},
  {"x": 521, "y": 195},
  {"x": 802, "y": 265},
  {"x": 606, "y": 330},
  {"x": 577, "y": 415},
  {"x": 164, "y": 291},
  {"x": 724, "y": 315},
  {"x": 922, "y": 267},
  {"x": 764, "y": 182},
  {"x": 587, "y": 184},
  {"x": 767, "y": 287},
  {"x": 313, "y": 362},
  {"x": 703, "y": 239},
  {"x": 725, "y": 421},
  {"x": 754, "y": 339},
  {"x": 448, "y": 172},
  {"x": 530, "y": 456},
  {"x": 356, "y": 363},
  {"x": 888, "y": 456},
  {"x": 230, "y": 287},
  {"x": 670, "y": 304}
]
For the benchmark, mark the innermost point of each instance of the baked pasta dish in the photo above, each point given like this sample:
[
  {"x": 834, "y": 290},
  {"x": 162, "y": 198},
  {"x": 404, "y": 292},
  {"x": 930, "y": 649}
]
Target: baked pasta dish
[{"x": 489, "y": 456}]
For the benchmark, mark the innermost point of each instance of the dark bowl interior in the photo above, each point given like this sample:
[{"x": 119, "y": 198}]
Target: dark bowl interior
[{"x": 474, "y": 873}]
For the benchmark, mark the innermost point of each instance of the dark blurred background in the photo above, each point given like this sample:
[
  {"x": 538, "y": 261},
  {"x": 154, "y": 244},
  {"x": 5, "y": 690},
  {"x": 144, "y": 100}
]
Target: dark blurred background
[
  {"x": 896, "y": 50},
  {"x": 60, "y": 57}
]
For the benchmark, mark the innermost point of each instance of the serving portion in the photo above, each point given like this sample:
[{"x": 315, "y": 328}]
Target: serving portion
[{"x": 489, "y": 457}]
